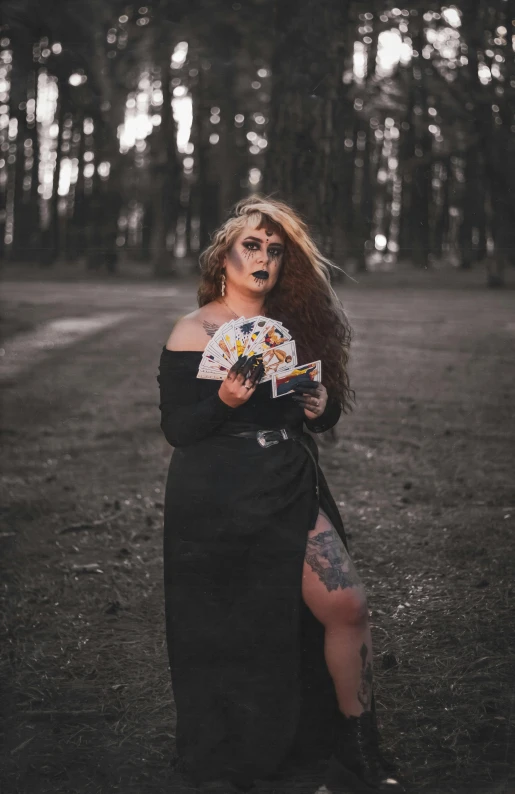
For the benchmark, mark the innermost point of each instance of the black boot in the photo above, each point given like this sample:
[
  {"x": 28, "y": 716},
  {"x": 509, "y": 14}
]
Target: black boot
[{"x": 357, "y": 763}]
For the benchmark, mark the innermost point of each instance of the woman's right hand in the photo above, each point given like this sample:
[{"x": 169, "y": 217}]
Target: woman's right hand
[{"x": 240, "y": 383}]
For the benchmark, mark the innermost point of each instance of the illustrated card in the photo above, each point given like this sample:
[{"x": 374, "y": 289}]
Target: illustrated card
[
  {"x": 213, "y": 351},
  {"x": 278, "y": 359},
  {"x": 242, "y": 330},
  {"x": 213, "y": 372},
  {"x": 212, "y": 357},
  {"x": 259, "y": 324},
  {"x": 214, "y": 361},
  {"x": 205, "y": 374},
  {"x": 272, "y": 335},
  {"x": 283, "y": 382},
  {"x": 225, "y": 341}
]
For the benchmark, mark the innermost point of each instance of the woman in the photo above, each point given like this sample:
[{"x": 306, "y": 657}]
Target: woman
[{"x": 266, "y": 617}]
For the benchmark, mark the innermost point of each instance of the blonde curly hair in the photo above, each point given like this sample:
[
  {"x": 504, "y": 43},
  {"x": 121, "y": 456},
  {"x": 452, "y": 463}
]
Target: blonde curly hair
[{"x": 302, "y": 298}]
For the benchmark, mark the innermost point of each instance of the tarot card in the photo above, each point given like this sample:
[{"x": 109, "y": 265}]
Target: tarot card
[
  {"x": 213, "y": 371},
  {"x": 283, "y": 382},
  {"x": 213, "y": 357},
  {"x": 224, "y": 339},
  {"x": 208, "y": 374},
  {"x": 272, "y": 335},
  {"x": 215, "y": 364},
  {"x": 213, "y": 351},
  {"x": 259, "y": 323},
  {"x": 278, "y": 359},
  {"x": 242, "y": 329}
]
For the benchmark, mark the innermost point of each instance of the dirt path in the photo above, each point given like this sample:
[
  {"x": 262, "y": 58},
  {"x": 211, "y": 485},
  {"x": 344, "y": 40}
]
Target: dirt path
[{"x": 422, "y": 470}]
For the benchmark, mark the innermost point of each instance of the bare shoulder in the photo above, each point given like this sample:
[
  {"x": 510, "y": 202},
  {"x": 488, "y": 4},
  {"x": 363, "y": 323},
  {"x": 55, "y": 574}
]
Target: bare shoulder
[
  {"x": 187, "y": 334},
  {"x": 193, "y": 331}
]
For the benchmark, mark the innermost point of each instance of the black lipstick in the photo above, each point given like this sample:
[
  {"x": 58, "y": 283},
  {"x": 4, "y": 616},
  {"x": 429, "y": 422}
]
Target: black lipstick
[{"x": 261, "y": 274}]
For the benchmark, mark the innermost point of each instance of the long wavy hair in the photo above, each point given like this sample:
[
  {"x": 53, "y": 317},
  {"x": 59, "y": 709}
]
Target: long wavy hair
[{"x": 303, "y": 298}]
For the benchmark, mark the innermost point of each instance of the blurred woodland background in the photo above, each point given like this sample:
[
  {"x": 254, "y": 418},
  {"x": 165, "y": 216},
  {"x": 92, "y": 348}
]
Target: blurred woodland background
[{"x": 127, "y": 131}]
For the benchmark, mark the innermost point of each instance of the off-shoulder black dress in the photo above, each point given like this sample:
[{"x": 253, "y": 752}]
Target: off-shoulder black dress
[{"x": 246, "y": 656}]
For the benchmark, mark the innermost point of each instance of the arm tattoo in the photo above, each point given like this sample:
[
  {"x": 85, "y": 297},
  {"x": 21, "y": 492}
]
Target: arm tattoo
[
  {"x": 210, "y": 328},
  {"x": 326, "y": 555},
  {"x": 365, "y": 687}
]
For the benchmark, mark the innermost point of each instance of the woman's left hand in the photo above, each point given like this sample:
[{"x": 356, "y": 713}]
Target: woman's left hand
[{"x": 312, "y": 395}]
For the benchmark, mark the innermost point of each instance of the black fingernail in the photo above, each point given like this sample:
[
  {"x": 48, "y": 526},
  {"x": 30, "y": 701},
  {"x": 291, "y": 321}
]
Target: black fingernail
[
  {"x": 258, "y": 374},
  {"x": 240, "y": 364}
]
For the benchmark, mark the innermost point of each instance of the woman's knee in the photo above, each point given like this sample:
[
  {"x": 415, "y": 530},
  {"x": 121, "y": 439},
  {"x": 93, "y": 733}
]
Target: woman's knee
[
  {"x": 332, "y": 587},
  {"x": 347, "y": 607}
]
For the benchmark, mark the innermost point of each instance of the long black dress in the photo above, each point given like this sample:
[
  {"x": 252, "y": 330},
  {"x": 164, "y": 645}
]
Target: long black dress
[{"x": 246, "y": 655}]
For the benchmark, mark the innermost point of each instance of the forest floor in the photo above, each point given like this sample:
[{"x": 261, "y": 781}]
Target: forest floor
[{"x": 422, "y": 471}]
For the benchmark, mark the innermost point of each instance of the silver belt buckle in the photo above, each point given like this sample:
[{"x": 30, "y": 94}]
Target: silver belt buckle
[{"x": 262, "y": 438}]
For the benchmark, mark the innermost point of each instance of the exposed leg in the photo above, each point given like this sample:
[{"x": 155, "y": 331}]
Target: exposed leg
[
  {"x": 334, "y": 593},
  {"x": 332, "y": 590}
]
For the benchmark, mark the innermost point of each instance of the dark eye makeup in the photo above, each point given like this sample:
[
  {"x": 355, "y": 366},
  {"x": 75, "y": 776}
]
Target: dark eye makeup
[{"x": 275, "y": 253}]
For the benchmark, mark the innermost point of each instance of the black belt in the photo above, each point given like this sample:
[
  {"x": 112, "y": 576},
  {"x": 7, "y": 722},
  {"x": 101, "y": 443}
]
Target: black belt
[{"x": 266, "y": 438}]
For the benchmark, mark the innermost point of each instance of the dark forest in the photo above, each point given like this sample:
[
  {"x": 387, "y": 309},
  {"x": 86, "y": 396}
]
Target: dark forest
[{"x": 129, "y": 131}]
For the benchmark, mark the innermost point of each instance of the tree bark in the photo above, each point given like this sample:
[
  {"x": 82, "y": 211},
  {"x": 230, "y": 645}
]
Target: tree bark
[
  {"x": 498, "y": 173},
  {"x": 167, "y": 178},
  {"x": 441, "y": 227},
  {"x": 306, "y": 71}
]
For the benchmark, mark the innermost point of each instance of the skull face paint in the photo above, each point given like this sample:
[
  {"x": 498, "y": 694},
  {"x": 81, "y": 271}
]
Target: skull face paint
[{"x": 253, "y": 263}]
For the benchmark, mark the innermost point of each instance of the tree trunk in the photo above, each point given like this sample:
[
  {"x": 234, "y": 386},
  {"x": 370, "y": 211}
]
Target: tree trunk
[
  {"x": 366, "y": 205},
  {"x": 421, "y": 188},
  {"x": 472, "y": 196},
  {"x": 33, "y": 197},
  {"x": 229, "y": 154},
  {"x": 167, "y": 177},
  {"x": 441, "y": 227},
  {"x": 306, "y": 75},
  {"x": 205, "y": 194},
  {"x": 146, "y": 233},
  {"x": 498, "y": 173},
  {"x": 77, "y": 224},
  {"x": 54, "y": 224},
  {"x": 22, "y": 66},
  {"x": 406, "y": 154}
]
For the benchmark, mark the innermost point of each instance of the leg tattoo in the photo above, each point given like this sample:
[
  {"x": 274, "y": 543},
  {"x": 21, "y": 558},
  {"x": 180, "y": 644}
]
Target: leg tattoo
[
  {"x": 365, "y": 687},
  {"x": 326, "y": 555}
]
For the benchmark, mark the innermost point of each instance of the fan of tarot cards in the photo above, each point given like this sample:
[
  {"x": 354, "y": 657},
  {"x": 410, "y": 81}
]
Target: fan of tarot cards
[{"x": 261, "y": 340}]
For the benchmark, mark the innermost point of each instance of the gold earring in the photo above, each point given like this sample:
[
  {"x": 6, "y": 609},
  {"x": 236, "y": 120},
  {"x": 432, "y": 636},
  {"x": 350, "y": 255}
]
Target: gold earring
[{"x": 223, "y": 283}]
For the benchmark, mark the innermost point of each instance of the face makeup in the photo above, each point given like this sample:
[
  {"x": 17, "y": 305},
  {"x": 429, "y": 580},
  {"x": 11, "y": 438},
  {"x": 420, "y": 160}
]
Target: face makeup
[
  {"x": 254, "y": 259},
  {"x": 261, "y": 275}
]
